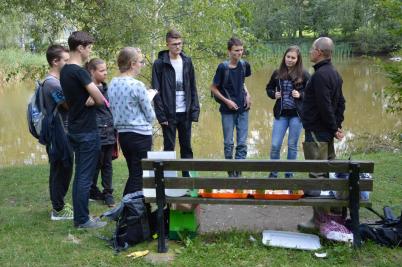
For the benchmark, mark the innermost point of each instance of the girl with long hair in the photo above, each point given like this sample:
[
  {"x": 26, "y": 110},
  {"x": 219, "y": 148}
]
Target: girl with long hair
[
  {"x": 98, "y": 70},
  {"x": 286, "y": 87}
]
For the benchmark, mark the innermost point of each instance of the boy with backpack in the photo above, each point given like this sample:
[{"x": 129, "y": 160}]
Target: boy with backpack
[
  {"x": 59, "y": 151},
  {"x": 81, "y": 95},
  {"x": 230, "y": 91}
]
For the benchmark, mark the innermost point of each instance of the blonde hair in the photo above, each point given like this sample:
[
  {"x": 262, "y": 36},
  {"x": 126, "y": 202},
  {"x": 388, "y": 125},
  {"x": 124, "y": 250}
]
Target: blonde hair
[{"x": 126, "y": 57}]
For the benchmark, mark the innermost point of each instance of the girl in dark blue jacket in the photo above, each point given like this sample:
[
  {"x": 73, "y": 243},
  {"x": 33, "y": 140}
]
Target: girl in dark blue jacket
[
  {"x": 286, "y": 86},
  {"x": 104, "y": 119}
]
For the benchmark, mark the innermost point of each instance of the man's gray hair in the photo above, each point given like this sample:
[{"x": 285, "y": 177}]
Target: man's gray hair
[{"x": 326, "y": 45}]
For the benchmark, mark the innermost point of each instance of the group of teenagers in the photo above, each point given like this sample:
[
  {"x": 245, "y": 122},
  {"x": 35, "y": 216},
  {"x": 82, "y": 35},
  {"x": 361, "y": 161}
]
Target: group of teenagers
[{"x": 96, "y": 114}]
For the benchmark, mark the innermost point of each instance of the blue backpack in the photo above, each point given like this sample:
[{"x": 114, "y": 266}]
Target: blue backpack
[{"x": 37, "y": 116}]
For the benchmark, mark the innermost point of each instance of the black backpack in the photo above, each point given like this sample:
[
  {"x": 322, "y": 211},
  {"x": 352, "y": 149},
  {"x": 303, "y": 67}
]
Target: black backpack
[
  {"x": 386, "y": 232},
  {"x": 131, "y": 218},
  {"x": 222, "y": 88}
]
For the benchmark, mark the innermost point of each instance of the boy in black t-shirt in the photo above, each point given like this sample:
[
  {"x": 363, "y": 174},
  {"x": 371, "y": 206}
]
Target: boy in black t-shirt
[{"x": 81, "y": 95}]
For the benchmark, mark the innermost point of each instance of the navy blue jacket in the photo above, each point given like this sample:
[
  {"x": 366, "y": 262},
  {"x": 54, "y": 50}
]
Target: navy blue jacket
[{"x": 273, "y": 86}]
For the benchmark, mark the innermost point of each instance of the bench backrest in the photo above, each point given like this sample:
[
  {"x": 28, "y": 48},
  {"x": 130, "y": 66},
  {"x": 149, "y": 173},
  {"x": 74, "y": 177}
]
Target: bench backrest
[{"x": 208, "y": 182}]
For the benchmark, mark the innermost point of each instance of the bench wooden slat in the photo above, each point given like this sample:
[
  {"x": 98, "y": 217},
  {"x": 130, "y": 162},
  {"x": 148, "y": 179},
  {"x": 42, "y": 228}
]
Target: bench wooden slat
[
  {"x": 258, "y": 183},
  {"x": 259, "y": 165},
  {"x": 327, "y": 202}
]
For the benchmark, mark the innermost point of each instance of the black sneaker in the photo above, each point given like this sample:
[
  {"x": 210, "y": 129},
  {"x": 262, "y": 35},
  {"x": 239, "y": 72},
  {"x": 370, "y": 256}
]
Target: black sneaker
[
  {"x": 96, "y": 196},
  {"x": 109, "y": 201}
]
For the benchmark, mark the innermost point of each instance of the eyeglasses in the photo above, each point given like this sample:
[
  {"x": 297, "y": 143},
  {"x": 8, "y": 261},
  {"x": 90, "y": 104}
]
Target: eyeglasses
[{"x": 176, "y": 44}]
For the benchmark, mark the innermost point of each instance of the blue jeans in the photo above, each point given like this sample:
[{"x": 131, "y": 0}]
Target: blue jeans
[
  {"x": 278, "y": 133},
  {"x": 86, "y": 147},
  {"x": 230, "y": 121}
]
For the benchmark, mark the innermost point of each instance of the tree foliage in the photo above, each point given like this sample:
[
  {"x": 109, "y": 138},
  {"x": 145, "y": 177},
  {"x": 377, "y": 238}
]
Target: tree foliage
[
  {"x": 393, "y": 92},
  {"x": 204, "y": 24},
  {"x": 370, "y": 25}
]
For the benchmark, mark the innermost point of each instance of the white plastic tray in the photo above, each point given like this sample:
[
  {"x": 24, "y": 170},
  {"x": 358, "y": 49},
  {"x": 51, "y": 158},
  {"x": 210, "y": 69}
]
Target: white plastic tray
[{"x": 290, "y": 240}]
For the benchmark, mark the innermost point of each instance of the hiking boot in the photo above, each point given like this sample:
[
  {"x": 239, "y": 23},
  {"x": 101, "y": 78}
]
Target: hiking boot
[
  {"x": 109, "y": 201},
  {"x": 65, "y": 214},
  {"x": 92, "y": 223},
  {"x": 273, "y": 175},
  {"x": 288, "y": 175},
  {"x": 231, "y": 174},
  {"x": 96, "y": 195}
]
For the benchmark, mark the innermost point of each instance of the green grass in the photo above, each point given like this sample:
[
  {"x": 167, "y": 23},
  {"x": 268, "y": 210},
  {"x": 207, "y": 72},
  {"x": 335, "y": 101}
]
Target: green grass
[{"x": 29, "y": 238}]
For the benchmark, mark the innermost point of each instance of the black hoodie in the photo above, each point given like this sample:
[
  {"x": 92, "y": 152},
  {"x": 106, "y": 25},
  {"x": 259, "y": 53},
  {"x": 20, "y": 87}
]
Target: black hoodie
[{"x": 164, "y": 80}]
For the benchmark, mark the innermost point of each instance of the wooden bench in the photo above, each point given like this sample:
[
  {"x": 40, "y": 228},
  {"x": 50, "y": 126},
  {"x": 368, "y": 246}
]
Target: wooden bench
[{"x": 354, "y": 185}]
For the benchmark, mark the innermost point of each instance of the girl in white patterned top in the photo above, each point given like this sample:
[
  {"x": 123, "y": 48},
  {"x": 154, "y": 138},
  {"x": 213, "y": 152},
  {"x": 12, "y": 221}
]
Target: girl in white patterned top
[{"x": 133, "y": 114}]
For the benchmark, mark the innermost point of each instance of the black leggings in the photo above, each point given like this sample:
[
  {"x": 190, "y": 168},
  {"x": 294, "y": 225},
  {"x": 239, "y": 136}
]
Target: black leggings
[{"x": 135, "y": 147}]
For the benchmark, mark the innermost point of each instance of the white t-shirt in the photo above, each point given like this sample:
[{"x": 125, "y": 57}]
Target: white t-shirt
[{"x": 180, "y": 95}]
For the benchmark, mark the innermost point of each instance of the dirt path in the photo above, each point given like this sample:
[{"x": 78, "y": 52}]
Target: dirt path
[{"x": 256, "y": 218}]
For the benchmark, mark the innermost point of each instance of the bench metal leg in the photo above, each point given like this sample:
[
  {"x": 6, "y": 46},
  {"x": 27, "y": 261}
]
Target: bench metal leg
[
  {"x": 354, "y": 203},
  {"x": 161, "y": 202}
]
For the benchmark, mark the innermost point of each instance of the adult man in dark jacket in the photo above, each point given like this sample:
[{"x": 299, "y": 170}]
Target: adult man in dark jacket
[
  {"x": 322, "y": 112},
  {"x": 176, "y": 104}
]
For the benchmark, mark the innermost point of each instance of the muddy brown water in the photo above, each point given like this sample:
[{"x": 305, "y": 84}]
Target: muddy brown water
[{"x": 365, "y": 113}]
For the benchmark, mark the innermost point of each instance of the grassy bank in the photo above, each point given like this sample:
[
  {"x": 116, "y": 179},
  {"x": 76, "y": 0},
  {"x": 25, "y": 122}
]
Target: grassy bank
[
  {"x": 17, "y": 64},
  {"x": 29, "y": 238}
]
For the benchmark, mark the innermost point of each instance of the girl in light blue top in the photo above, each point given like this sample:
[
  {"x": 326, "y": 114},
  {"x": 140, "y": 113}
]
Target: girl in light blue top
[{"x": 132, "y": 114}]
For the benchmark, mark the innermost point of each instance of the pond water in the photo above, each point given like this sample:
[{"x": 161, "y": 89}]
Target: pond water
[{"x": 365, "y": 113}]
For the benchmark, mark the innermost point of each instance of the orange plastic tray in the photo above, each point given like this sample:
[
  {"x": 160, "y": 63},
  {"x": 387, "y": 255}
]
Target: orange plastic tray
[
  {"x": 278, "y": 196},
  {"x": 224, "y": 195}
]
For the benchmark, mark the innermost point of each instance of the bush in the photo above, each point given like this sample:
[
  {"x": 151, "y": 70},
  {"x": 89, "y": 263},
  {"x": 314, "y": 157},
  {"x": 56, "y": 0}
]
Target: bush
[{"x": 368, "y": 40}]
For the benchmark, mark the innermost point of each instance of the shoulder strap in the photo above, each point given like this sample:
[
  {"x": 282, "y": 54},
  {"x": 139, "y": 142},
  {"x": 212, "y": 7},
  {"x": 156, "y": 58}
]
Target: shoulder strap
[
  {"x": 42, "y": 94},
  {"x": 243, "y": 65},
  {"x": 226, "y": 78},
  {"x": 226, "y": 73}
]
